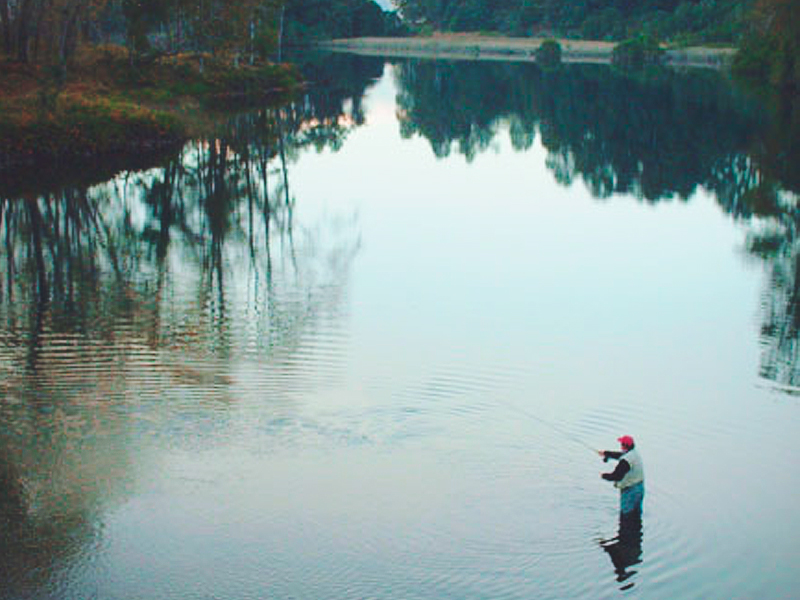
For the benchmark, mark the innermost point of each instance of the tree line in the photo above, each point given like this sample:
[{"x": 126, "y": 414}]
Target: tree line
[
  {"x": 683, "y": 20},
  {"x": 767, "y": 32},
  {"x": 52, "y": 30}
]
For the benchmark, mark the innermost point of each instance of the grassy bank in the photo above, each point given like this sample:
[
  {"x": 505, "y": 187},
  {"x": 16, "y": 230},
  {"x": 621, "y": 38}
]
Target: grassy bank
[
  {"x": 104, "y": 104},
  {"x": 484, "y": 47}
]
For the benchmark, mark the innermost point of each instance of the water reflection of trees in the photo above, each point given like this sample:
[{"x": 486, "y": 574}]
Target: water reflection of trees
[
  {"x": 154, "y": 278},
  {"x": 657, "y": 136},
  {"x": 654, "y": 136},
  {"x": 74, "y": 247},
  {"x": 775, "y": 200}
]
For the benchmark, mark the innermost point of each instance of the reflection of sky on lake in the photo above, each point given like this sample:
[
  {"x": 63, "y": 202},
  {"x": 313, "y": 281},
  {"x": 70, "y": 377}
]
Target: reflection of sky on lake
[
  {"x": 467, "y": 249},
  {"x": 614, "y": 315},
  {"x": 394, "y": 416}
]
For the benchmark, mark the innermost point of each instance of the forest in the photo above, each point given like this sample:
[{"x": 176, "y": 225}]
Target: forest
[
  {"x": 766, "y": 31},
  {"x": 681, "y": 20},
  {"x": 52, "y": 30},
  {"x": 85, "y": 78}
]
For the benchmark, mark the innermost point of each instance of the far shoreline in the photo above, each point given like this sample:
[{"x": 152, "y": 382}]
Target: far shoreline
[{"x": 479, "y": 47}]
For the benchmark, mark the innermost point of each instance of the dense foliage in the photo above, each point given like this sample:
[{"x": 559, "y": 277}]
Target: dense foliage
[
  {"x": 771, "y": 50},
  {"x": 68, "y": 89},
  {"x": 548, "y": 54},
  {"x": 637, "y": 52},
  {"x": 45, "y": 29},
  {"x": 52, "y": 30},
  {"x": 616, "y": 133},
  {"x": 316, "y": 19},
  {"x": 679, "y": 20}
]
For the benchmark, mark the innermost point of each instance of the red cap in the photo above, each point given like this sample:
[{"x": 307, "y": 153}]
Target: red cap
[{"x": 626, "y": 440}]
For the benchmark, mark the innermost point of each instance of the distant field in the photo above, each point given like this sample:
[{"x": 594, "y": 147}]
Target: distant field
[{"x": 478, "y": 47}]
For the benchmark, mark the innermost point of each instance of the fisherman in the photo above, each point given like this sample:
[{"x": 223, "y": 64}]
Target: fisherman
[{"x": 628, "y": 476}]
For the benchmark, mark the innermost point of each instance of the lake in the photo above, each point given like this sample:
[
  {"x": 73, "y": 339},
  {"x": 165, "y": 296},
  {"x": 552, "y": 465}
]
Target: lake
[{"x": 365, "y": 344}]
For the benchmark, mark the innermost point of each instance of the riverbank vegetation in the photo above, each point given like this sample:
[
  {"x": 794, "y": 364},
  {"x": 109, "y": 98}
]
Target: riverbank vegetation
[
  {"x": 770, "y": 51},
  {"x": 104, "y": 105},
  {"x": 678, "y": 21},
  {"x": 767, "y": 32},
  {"x": 637, "y": 52},
  {"x": 83, "y": 78},
  {"x": 548, "y": 54}
]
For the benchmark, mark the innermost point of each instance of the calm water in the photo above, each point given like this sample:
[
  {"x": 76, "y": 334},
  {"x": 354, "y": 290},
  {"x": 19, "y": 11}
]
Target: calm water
[{"x": 364, "y": 344}]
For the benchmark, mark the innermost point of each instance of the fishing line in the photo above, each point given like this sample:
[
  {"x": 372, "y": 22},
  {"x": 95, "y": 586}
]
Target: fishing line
[
  {"x": 554, "y": 427},
  {"x": 572, "y": 438}
]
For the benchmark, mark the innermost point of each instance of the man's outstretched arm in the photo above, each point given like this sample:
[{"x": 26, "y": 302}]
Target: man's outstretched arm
[{"x": 617, "y": 474}]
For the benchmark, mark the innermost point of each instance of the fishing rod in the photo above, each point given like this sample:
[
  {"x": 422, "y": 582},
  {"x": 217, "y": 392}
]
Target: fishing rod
[{"x": 571, "y": 437}]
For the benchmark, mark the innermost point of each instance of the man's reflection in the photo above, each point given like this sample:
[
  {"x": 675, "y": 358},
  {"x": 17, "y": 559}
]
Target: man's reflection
[{"x": 625, "y": 550}]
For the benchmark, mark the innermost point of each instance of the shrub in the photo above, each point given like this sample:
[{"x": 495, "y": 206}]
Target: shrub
[
  {"x": 81, "y": 127},
  {"x": 548, "y": 54},
  {"x": 637, "y": 52}
]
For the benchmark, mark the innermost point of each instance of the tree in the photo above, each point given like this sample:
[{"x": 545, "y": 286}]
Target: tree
[
  {"x": 777, "y": 24},
  {"x": 140, "y": 17},
  {"x": 317, "y": 19},
  {"x": 718, "y": 20},
  {"x": 45, "y": 30},
  {"x": 5, "y": 19}
]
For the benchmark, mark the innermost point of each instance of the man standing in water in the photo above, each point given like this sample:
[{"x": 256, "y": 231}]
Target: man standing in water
[
  {"x": 625, "y": 549},
  {"x": 628, "y": 477}
]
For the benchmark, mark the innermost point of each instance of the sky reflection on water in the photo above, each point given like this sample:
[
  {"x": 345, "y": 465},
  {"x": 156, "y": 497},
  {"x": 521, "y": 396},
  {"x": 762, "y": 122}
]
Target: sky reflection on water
[{"x": 362, "y": 370}]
